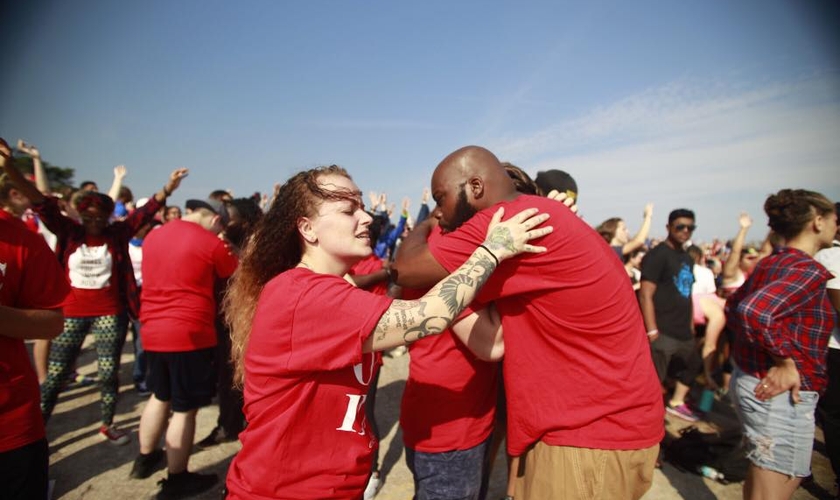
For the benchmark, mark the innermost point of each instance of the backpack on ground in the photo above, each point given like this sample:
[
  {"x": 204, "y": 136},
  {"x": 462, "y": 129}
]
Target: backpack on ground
[{"x": 721, "y": 451}]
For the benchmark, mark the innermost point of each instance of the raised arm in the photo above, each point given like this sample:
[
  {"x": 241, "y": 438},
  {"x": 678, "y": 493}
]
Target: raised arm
[
  {"x": 395, "y": 232},
  {"x": 119, "y": 174},
  {"x": 143, "y": 215},
  {"x": 406, "y": 321},
  {"x": 41, "y": 180},
  {"x": 642, "y": 235},
  {"x": 21, "y": 183},
  {"x": 424, "y": 212},
  {"x": 730, "y": 267},
  {"x": 172, "y": 184}
]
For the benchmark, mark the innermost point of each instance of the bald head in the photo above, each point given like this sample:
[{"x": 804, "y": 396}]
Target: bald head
[{"x": 468, "y": 180}]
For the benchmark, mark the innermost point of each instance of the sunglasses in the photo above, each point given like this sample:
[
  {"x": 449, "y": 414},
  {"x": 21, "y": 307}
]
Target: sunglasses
[
  {"x": 94, "y": 218},
  {"x": 683, "y": 227}
]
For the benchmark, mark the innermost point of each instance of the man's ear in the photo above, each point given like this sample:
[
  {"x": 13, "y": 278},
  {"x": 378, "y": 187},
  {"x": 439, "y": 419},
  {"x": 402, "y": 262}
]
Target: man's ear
[
  {"x": 476, "y": 187},
  {"x": 307, "y": 232}
]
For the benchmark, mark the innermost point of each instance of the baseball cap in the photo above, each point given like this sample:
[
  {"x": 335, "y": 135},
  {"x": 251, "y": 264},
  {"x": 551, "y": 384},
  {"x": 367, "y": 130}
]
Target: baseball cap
[
  {"x": 215, "y": 206},
  {"x": 559, "y": 180}
]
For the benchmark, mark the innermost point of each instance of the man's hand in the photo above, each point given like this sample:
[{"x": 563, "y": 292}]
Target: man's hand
[{"x": 120, "y": 172}]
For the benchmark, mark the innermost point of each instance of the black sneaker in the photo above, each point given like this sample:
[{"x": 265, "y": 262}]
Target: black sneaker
[
  {"x": 216, "y": 436},
  {"x": 185, "y": 484},
  {"x": 146, "y": 465}
]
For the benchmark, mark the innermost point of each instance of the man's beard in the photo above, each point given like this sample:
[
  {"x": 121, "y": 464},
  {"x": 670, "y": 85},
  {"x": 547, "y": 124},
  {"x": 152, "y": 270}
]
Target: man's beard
[{"x": 463, "y": 212}]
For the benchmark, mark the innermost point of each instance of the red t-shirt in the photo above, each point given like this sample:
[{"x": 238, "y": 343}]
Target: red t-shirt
[
  {"x": 577, "y": 365},
  {"x": 91, "y": 271},
  {"x": 370, "y": 265},
  {"x": 449, "y": 401},
  {"x": 306, "y": 380},
  {"x": 30, "y": 278},
  {"x": 181, "y": 261}
]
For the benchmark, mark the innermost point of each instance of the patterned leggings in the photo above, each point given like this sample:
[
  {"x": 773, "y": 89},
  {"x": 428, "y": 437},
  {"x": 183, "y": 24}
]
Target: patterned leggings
[{"x": 109, "y": 332}]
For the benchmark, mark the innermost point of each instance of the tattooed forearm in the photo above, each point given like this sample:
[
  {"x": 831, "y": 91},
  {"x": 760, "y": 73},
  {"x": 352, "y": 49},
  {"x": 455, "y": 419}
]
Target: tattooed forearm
[
  {"x": 483, "y": 268},
  {"x": 382, "y": 326},
  {"x": 429, "y": 326},
  {"x": 452, "y": 292},
  {"x": 405, "y": 318},
  {"x": 407, "y": 321}
]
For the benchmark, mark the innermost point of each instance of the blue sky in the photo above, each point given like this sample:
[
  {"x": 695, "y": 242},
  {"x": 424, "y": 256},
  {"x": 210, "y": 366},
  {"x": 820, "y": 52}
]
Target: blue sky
[{"x": 707, "y": 105}]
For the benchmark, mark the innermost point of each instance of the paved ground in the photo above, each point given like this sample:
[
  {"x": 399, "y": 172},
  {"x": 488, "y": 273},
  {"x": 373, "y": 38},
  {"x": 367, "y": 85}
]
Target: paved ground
[{"x": 84, "y": 466}]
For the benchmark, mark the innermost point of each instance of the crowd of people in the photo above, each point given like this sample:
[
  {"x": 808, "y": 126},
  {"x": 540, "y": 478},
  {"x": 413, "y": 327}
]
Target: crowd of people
[{"x": 524, "y": 324}]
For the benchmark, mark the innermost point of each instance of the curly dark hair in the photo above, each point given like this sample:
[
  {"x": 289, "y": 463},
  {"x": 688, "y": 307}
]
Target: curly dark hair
[
  {"x": 523, "y": 182},
  {"x": 275, "y": 246},
  {"x": 790, "y": 210}
]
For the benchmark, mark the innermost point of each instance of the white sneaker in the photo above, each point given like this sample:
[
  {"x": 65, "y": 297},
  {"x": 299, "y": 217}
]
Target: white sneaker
[{"x": 372, "y": 487}]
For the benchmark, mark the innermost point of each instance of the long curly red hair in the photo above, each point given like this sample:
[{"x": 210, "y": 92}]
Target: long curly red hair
[{"x": 276, "y": 246}]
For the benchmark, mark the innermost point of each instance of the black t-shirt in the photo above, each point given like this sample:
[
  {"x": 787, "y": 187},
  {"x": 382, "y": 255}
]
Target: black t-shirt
[{"x": 670, "y": 270}]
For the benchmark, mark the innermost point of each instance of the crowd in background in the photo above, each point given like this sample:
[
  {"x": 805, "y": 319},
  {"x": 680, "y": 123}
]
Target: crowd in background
[{"x": 143, "y": 267}]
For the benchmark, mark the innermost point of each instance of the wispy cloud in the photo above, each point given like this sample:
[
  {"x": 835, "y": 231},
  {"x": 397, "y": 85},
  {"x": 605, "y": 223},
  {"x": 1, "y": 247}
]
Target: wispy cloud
[
  {"x": 705, "y": 144},
  {"x": 373, "y": 124}
]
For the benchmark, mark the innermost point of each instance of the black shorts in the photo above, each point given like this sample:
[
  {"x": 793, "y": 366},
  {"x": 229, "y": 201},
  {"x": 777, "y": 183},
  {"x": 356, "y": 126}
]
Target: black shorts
[
  {"x": 23, "y": 471},
  {"x": 187, "y": 379},
  {"x": 678, "y": 357}
]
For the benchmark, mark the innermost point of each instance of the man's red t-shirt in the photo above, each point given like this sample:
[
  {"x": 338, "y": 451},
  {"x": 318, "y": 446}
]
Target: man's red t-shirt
[
  {"x": 306, "y": 380},
  {"x": 30, "y": 278},
  {"x": 577, "y": 365},
  {"x": 449, "y": 401},
  {"x": 181, "y": 261}
]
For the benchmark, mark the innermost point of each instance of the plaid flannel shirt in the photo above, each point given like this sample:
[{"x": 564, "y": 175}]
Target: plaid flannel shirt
[
  {"x": 71, "y": 235},
  {"x": 783, "y": 310}
]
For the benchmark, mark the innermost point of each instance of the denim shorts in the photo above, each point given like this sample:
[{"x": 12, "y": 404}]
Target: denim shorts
[
  {"x": 450, "y": 475},
  {"x": 779, "y": 435}
]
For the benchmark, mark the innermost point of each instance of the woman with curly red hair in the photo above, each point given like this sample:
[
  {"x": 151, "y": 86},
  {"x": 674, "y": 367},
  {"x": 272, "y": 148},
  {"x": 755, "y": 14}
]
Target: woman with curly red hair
[{"x": 305, "y": 341}]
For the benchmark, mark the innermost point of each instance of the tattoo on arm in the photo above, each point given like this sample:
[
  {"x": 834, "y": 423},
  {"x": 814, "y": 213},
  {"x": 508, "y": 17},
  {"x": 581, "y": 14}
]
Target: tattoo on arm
[
  {"x": 450, "y": 295},
  {"x": 429, "y": 326},
  {"x": 382, "y": 326},
  {"x": 409, "y": 316},
  {"x": 500, "y": 236}
]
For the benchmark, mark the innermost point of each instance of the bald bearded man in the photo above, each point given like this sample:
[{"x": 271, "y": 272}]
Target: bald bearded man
[{"x": 584, "y": 405}]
